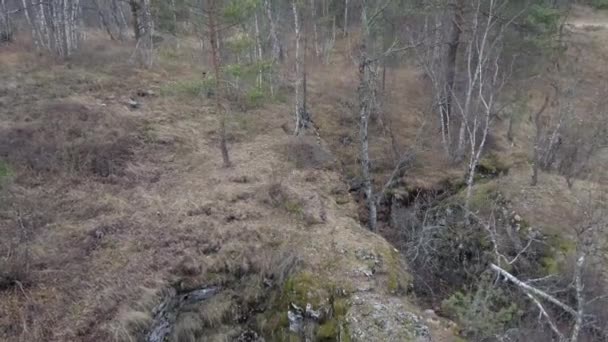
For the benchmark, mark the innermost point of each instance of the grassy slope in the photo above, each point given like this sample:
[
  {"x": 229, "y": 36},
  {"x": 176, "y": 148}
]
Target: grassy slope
[{"x": 98, "y": 249}]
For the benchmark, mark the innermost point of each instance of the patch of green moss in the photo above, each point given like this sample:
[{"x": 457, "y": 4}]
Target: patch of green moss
[
  {"x": 188, "y": 88},
  {"x": 397, "y": 278},
  {"x": 328, "y": 331},
  {"x": 483, "y": 195},
  {"x": 304, "y": 288},
  {"x": 5, "y": 173},
  {"x": 563, "y": 244},
  {"x": 341, "y": 306},
  {"x": 492, "y": 165},
  {"x": 293, "y": 208},
  {"x": 550, "y": 265}
]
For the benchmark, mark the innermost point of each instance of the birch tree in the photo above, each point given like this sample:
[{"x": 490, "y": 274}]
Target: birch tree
[
  {"x": 485, "y": 79},
  {"x": 56, "y": 25},
  {"x": 301, "y": 115},
  {"x": 143, "y": 27},
  {"x": 277, "y": 47}
]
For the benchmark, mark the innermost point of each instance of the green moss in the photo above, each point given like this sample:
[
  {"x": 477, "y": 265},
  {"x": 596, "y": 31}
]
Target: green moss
[
  {"x": 328, "y": 331},
  {"x": 293, "y": 208},
  {"x": 187, "y": 88},
  {"x": 550, "y": 265},
  {"x": 483, "y": 195},
  {"x": 341, "y": 307},
  {"x": 492, "y": 165},
  {"x": 397, "y": 277},
  {"x": 564, "y": 245},
  {"x": 5, "y": 173},
  {"x": 304, "y": 288}
]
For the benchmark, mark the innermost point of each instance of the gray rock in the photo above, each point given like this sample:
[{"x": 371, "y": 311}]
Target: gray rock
[
  {"x": 312, "y": 313},
  {"x": 296, "y": 321},
  {"x": 373, "y": 317},
  {"x": 133, "y": 104}
]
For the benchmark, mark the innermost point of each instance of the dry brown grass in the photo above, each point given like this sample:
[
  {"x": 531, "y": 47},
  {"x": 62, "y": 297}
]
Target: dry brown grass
[
  {"x": 172, "y": 218},
  {"x": 102, "y": 251}
]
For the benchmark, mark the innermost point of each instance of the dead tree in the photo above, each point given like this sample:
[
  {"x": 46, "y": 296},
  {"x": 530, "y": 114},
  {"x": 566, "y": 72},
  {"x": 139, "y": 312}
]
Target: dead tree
[{"x": 592, "y": 225}]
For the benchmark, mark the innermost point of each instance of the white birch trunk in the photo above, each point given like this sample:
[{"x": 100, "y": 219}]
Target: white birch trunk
[
  {"x": 299, "y": 79},
  {"x": 345, "y": 17},
  {"x": 366, "y": 93},
  {"x": 313, "y": 9},
  {"x": 258, "y": 43},
  {"x": 277, "y": 54}
]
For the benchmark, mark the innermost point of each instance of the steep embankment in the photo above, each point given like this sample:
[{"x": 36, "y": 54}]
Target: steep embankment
[{"x": 123, "y": 210}]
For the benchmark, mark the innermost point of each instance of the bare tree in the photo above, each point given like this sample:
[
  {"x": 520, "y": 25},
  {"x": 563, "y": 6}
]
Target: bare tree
[
  {"x": 537, "y": 141},
  {"x": 484, "y": 82},
  {"x": 367, "y": 92},
  {"x": 345, "y": 17},
  {"x": 56, "y": 25},
  {"x": 277, "y": 48},
  {"x": 6, "y": 24},
  {"x": 214, "y": 32},
  {"x": 592, "y": 225},
  {"x": 301, "y": 115}
]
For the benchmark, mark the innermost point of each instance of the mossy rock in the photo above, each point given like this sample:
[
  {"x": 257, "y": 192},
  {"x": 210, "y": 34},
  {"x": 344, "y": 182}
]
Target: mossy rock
[
  {"x": 397, "y": 277},
  {"x": 304, "y": 288}
]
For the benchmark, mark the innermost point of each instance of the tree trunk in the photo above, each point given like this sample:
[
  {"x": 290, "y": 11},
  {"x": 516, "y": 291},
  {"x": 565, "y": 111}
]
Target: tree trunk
[
  {"x": 258, "y": 45},
  {"x": 6, "y": 27},
  {"x": 214, "y": 37},
  {"x": 277, "y": 48},
  {"x": 135, "y": 17},
  {"x": 537, "y": 142},
  {"x": 345, "y": 18},
  {"x": 451, "y": 58},
  {"x": 299, "y": 105},
  {"x": 119, "y": 19},
  {"x": 366, "y": 92},
  {"x": 104, "y": 20},
  {"x": 313, "y": 11},
  {"x": 174, "y": 17},
  {"x": 144, "y": 29}
]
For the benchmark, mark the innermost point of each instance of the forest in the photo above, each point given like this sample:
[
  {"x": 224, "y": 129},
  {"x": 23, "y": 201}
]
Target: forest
[{"x": 304, "y": 170}]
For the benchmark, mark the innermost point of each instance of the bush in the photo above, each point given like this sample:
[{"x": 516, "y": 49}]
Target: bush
[
  {"x": 482, "y": 313},
  {"x": 69, "y": 138},
  {"x": 255, "y": 97}
]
